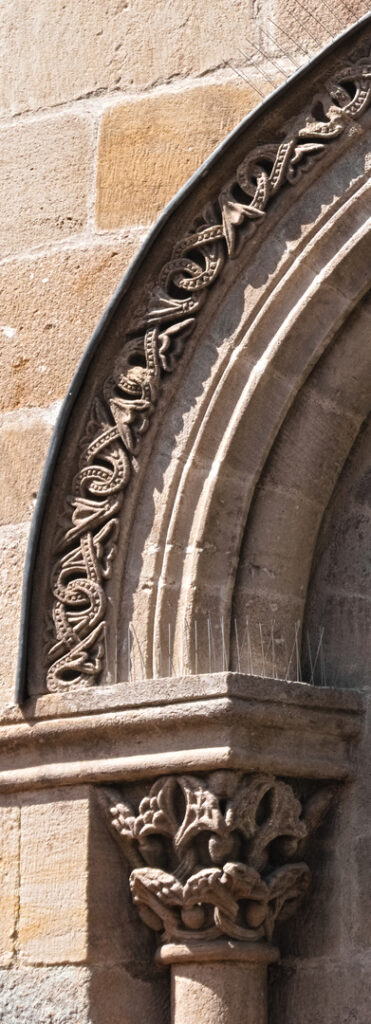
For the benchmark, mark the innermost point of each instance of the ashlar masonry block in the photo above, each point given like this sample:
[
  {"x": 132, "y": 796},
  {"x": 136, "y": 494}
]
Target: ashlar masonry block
[
  {"x": 50, "y": 304},
  {"x": 81, "y": 955},
  {"x": 13, "y": 543},
  {"x": 149, "y": 147},
  {"x": 72, "y": 904},
  {"x": 9, "y": 878},
  {"x": 24, "y": 438},
  {"x": 45, "y": 172},
  {"x": 118, "y": 44}
]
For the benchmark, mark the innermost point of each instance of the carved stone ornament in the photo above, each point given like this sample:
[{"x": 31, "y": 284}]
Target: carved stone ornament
[
  {"x": 120, "y": 416},
  {"x": 221, "y": 857}
]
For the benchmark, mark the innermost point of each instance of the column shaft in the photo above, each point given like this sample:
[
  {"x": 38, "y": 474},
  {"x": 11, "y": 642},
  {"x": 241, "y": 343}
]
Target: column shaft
[{"x": 219, "y": 993}]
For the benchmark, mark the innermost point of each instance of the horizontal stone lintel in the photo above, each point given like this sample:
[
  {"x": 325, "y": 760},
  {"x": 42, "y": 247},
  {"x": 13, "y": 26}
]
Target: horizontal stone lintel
[{"x": 195, "y": 723}]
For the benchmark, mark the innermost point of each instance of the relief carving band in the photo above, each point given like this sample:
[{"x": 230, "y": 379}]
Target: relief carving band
[
  {"x": 152, "y": 346},
  {"x": 217, "y": 857}
]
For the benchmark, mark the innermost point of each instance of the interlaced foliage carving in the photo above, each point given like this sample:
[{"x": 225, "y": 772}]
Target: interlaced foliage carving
[
  {"x": 216, "y": 858},
  {"x": 86, "y": 541}
]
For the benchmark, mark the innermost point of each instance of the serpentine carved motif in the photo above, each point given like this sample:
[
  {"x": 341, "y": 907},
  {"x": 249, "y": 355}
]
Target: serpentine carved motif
[
  {"x": 86, "y": 541},
  {"x": 215, "y": 857}
]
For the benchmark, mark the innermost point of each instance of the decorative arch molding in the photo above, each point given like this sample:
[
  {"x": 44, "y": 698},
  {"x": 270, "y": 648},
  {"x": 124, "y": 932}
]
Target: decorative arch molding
[
  {"x": 195, "y": 384},
  {"x": 213, "y": 444},
  {"x": 262, "y": 397}
]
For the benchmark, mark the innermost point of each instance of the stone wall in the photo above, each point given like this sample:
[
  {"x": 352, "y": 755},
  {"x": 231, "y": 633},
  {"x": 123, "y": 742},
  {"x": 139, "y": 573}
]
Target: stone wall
[{"x": 105, "y": 111}]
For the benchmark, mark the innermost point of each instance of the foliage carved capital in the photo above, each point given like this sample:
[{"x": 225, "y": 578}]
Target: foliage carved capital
[{"x": 219, "y": 856}]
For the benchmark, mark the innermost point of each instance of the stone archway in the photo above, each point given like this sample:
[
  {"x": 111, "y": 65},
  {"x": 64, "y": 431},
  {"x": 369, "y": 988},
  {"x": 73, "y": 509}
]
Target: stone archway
[
  {"x": 210, "y": 370},
  {"x": 212, "y": 447}
]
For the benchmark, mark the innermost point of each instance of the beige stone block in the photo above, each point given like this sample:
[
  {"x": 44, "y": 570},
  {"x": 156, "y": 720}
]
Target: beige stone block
[
  {"x": 116, "y": 997},
  {"x": 46, "y": 995},
  {"x": 112, "y": 45},
  {"x": 277, "y": 549},
  {"x": 54, "y": 878},
  {"x": 148, "y": 148},
  {"x": 45, "y": 172},
  {"x": 345, "y": 561},
  {"x": 24, "y": 440},
  {"x": 299, "y": 460},
  {"x": 13, "y": 541},
  {"x": 344, "y": 617},
  {"x": 360, "y": 793},
  {"x": 9, "y": 879},
  {"x": 310, "y": 25},
  {"x": 325, "y": 990},
  {"x": 344, "y": 375},
  {"x": 362, "y": 861},
  {"x": 49, "y": 307},
  {"x": 265, "y": 634},
  {"x": 74, "y": 898},
  {"x": 71, "y": 994}
]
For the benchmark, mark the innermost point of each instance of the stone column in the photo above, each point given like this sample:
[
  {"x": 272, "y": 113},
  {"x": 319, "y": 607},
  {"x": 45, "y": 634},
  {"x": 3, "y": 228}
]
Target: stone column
[
  {"x": 216, "y": 861},
  {"x": 219, "y": 983}
]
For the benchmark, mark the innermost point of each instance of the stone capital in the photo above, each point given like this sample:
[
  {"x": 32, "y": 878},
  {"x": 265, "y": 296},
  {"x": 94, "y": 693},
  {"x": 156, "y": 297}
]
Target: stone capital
[{"x": 217, "y": 857}]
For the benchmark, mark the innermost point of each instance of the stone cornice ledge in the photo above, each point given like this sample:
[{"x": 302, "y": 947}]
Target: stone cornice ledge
[{"x": 196, "y": 723}]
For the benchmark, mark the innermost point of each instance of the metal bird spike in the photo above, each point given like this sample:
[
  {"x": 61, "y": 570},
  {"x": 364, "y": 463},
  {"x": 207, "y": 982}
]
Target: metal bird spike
[
  {"x": 282, "y": 52},
  {"x": 266, "y": 57},
  {"x": 258, "y": 68},
  {"x": 241, "y": 74},
  {"x": 288, "y": 36}
]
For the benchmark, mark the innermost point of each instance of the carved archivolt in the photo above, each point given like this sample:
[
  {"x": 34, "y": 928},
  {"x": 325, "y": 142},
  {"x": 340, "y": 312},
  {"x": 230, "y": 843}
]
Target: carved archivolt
[
  {"x": 221, "y": 857},
  {"x": 85, "y": 543}
]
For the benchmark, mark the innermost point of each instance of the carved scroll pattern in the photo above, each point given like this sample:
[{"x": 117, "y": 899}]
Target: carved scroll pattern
[
  {"x": 217, "y": 858},
  {"x": 85, "y": 545}
]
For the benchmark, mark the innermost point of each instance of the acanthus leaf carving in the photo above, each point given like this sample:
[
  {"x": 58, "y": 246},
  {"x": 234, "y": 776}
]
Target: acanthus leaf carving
[{"x": 215, "y": 857}]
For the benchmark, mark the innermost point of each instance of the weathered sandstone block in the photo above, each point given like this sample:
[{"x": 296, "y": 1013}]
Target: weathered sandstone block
[
  {"x": 75, "y": 906},
  {"x": 13, "y": 541},
  {"x": 53, "y": 916},
  {"x": 35, "y": 994},
  {"x": 49, "y": 307},
  {"x": 148, "y": 148},
  {"x": 116, "y": 997},
  {"x": 75, "y": 909},
  {"x": 311, "y": 25},
  {"x": 45, "y": 180},
  {"x": 112, "y": 45},
  {"x": 24, "y": 440},
  {"x": 70, "y": 994},
  {"x": 9, "y": 878},
  {"x": 333, "y": 991}
]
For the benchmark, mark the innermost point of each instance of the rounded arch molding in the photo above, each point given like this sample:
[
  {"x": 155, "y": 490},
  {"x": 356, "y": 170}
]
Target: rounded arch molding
[{"x": 216, "y": 407}]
